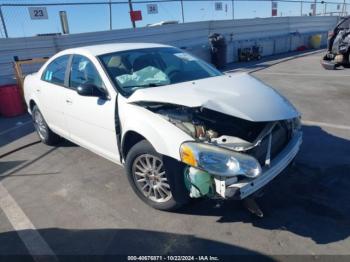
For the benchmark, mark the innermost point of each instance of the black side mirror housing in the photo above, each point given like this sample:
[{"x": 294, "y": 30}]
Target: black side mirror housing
[{"x": 91, "y": 90}]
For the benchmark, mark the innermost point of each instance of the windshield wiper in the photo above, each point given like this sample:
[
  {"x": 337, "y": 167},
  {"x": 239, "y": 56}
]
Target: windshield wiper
[{"x": 147, "y": 85}]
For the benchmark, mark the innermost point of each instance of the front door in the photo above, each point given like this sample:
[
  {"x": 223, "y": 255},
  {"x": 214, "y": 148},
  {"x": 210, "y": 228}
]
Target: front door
[{"x": 91, "y": 120}]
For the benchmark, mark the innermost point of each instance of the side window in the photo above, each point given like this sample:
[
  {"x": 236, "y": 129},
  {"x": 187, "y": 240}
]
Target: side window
[
  {"x": 55, "y": 72},
  {"x": 84, "y": 72}
]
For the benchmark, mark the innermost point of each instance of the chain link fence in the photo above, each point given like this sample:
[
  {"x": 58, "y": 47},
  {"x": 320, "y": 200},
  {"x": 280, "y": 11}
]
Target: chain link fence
[{"x": 18, "y": 20}]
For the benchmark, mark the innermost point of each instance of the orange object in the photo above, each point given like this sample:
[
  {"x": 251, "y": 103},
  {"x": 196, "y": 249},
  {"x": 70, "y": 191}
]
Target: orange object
[
  {"x": 11, "y": 103},
  {"x": 187, "y": 155}
]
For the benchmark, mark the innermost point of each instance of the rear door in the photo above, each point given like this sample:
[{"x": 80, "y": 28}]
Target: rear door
[
  {"x": 91, "y": 120},
  {"x": 52, "y": 94}
]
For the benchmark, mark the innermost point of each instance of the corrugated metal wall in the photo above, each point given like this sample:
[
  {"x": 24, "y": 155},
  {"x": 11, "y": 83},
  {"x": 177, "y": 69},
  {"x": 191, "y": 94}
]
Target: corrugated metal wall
[{"x": 276, "y": 35}]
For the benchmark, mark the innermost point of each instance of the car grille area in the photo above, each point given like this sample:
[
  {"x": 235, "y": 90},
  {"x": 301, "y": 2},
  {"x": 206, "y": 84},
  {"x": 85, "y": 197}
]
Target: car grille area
[{"x": 280, "y": 136}]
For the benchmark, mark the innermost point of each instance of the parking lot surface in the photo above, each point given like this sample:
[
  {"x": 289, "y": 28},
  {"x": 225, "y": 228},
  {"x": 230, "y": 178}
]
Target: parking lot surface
[{"x": 66, "y": 200}]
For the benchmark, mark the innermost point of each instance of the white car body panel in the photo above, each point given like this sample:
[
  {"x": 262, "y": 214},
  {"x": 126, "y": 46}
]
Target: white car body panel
[
  {"x": 53, "y": 104},
  {"x": 94, "y": 128},
  {"x": 91, "y": 125},
  {"x": 90, "y": 121},
  {"x": 229, "y": 94},
  {"x": 164, "y": 136},
  {"x": 82, "y": 120}
]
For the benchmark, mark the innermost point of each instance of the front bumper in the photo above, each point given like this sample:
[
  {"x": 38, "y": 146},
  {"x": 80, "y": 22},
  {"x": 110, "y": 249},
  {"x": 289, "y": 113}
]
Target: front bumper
[{"x": 246, "y": 187}]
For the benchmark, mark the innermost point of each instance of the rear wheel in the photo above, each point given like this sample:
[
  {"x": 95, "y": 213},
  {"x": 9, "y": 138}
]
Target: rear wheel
[
  {"x": 44, "y": 132},
  {"x": 151, "y": 179}
]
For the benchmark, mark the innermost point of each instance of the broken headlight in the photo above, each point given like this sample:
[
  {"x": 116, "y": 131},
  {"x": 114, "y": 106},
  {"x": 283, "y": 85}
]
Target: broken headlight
[{"x": 219, "y": 161}]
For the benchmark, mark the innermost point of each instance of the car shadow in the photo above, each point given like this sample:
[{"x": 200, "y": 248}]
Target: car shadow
[
  {"x": 8, "y": 165},
  {"x": 9, "y": 168},
  {"x": 310, "y": 199},
  {"x": 66, "y": 143},
  {"x": 79, "y": 244},
  {"x": 14, "y": 128}
]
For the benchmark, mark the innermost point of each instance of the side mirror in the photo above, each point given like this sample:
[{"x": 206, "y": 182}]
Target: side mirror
[{"x": 91, "y": 90}]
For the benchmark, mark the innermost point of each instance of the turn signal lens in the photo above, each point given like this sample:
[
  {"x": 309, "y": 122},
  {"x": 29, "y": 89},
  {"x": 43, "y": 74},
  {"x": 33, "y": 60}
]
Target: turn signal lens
[{"x": 187, "y": 156}]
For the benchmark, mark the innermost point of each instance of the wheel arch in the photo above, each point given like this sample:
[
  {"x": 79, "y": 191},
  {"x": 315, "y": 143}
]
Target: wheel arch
[
  {"x": 130, "y": 139},
  {"x": 32, "y": 103}
]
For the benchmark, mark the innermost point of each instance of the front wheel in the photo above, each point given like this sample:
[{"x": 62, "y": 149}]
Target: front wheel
[{"x": 151, "y": 178}]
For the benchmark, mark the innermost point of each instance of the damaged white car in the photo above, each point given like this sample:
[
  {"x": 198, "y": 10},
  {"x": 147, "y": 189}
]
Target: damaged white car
[{"x": 180, "y": 127}]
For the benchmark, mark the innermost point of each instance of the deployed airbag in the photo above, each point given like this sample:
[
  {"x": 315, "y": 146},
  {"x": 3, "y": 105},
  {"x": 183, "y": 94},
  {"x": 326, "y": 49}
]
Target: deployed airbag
[{"x": 145, "y": 76}]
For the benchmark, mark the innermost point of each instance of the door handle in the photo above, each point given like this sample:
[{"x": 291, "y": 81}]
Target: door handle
[
  {"x": 37, "y": 90},
  {"x": 68, "y": 101}
]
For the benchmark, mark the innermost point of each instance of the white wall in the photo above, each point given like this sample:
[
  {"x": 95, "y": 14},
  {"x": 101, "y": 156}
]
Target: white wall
[{"x": 274, "y": 34}]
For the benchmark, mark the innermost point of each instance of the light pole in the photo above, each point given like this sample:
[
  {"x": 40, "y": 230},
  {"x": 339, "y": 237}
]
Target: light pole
[
  {"x": 344, "y": 8},
  {"x": 3, "y": 22},
  {"x": 314, "y": 9},
  {"x": 233, "y": 9},
  {"x": 110, "y": 15},
  {"x": 301, "y": 8},
  {"x": 64, "y": 22},
  {"x": 131, "y": 10},
  {"x": 182, "y": 11}
]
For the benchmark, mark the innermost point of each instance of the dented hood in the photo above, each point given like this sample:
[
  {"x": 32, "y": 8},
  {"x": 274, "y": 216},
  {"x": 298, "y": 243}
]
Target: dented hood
[{"x": 239, "y": 95}]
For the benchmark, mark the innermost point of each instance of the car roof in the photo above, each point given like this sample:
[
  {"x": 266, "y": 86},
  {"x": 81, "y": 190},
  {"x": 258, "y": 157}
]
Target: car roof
[{"x": 97, "y": 50}]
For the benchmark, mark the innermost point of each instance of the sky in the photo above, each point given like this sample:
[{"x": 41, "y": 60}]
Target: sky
[{"x": 90, "y": 18}]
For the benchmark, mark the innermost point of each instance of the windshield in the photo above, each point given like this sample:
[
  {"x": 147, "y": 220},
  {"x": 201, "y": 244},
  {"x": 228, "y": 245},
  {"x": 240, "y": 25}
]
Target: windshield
[{"x": 143, "y": 68}]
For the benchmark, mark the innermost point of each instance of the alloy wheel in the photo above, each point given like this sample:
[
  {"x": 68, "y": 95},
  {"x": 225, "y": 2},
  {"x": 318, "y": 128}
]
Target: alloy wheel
[
  {"x": 150, "y": 178},
  {"x": 40, "y": 125}
]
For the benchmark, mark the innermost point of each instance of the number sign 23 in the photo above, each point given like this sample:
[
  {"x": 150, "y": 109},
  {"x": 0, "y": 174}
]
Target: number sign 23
[{"x": 38, "y": 13}]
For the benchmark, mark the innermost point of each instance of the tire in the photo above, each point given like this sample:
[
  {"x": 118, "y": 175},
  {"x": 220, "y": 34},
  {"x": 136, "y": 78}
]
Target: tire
[
  {"x": 44, "y": 132},
  {"x": 163, "y": 189},
  {"x": 347, "y": 62}
]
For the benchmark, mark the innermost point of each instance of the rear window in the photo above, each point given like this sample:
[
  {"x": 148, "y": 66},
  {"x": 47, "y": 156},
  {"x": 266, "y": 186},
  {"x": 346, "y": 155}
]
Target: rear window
[{"x": 55, "y": 72}]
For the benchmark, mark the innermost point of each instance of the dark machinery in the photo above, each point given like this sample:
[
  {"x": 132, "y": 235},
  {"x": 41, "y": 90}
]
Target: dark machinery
[
  {"x": 338, "y": 53},
  {"x": 249, "y": 53},
  {"x": 218, "y": 50}
]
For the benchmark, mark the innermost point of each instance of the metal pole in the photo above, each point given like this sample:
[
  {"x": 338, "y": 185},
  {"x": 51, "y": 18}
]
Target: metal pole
[
  {"x": 110, "y": 15},
  {"x": 301, "y": 8},
  {"x": 233, "y": 9},
  {"x": 131, "y": 10},
  {"x": 182, "y": 11},
  {"x": 314, "y": 9},
  {"x": 64, "y": 22},
  {"x": 3, "y": 22}
]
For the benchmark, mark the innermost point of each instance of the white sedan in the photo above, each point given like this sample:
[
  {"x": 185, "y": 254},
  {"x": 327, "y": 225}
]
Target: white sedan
[{"x": 180, "y": 127}]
